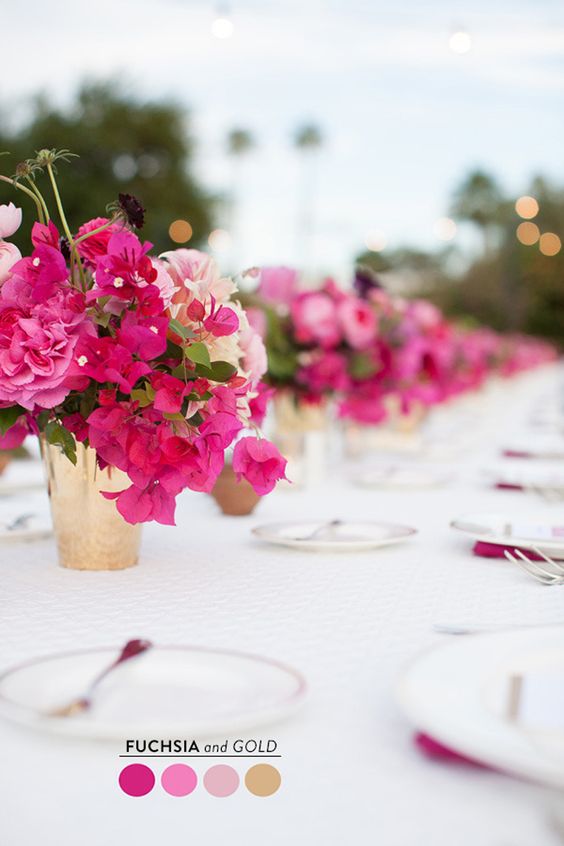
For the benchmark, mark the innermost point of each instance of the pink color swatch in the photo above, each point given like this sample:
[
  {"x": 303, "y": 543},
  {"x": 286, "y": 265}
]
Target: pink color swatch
[
  {"x": 179, "y": 780},
  {"x": 136, "y": 780},
  {"x": 221, "y": 780}
]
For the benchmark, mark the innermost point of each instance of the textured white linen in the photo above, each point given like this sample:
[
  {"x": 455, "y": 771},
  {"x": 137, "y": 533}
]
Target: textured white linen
[{"x": 350, "y": 623}]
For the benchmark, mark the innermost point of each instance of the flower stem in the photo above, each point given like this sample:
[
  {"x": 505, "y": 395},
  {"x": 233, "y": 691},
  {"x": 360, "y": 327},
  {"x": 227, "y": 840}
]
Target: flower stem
[
  {"x": 66, "y": 227},
  {"x": 95, "y": 231},
  {"x": 39, "y": 196},
  {"x": 17, "y": 185}
]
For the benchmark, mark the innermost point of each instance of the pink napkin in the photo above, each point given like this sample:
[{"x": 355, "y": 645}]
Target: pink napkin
[
  {"x": 495, "y": 550},
  {"x": 517, "y": 453},
  {"x": 433, "y": 749}
]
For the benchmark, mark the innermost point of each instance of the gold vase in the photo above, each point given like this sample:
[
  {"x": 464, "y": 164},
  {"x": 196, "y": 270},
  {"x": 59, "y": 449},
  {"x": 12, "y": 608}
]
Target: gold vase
[
  {"x": 302, "y": 435},
  {"x": 91, "y": 534}
]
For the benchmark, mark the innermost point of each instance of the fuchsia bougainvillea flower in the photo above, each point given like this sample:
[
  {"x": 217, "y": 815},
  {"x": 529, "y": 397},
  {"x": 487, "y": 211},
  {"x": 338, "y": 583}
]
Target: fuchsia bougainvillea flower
[{"x": 149, "y": 361}]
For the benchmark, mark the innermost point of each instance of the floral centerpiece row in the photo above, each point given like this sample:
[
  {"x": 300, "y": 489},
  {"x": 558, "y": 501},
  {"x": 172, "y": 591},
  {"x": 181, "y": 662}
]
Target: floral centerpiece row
[{"x": 373, "y": 351}]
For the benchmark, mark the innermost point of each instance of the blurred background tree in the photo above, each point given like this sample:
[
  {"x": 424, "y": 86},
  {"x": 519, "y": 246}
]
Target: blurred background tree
[
  {"x": 124, "y": 145},
  {"x": 308, "y": 140},
  {"x": 515, "y": 282}
]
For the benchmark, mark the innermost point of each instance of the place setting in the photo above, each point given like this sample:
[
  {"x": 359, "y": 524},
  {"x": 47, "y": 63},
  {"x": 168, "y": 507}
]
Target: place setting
[
  {"x": 333, "y": 535},
  {"x": 494, "y": 700},
  {"x": 148, "y": 690}
]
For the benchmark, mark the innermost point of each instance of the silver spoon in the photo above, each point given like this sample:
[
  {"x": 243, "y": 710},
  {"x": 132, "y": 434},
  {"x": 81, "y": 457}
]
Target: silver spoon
[{"x": 132, "y": 649}]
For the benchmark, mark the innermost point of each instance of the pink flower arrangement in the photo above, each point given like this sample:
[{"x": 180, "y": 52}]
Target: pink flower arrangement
[
  {"x": 363, "y": 346},
  {"x": 148, "y": 361}
]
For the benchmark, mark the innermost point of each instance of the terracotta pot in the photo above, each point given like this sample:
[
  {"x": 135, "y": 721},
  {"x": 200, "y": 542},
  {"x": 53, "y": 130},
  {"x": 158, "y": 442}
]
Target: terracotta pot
[
  {"x": 5, "y": 458},
  {"x": 233, "y": 497},
  {"x": 91, "y": 534}
]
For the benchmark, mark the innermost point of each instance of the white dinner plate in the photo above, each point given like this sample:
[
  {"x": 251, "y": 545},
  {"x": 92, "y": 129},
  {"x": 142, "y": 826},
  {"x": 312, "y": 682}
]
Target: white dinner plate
[
  {"x": 168, "y": 691},
  {"x": 458, "y": 693},
  {"x": 503, "y": 530},
  {"x": 403, "y": 477},
  {"x": 333, "y": 536},
  {"x": 37, "y": 526}
]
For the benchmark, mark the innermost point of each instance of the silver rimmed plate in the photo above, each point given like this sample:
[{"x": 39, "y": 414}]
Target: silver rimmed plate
[
  {"x": 333, "y": 535},
  {"x": 182, "y": 691},
  {"x": 504, "y": 530},
  {"x": 460, "y": 693}
]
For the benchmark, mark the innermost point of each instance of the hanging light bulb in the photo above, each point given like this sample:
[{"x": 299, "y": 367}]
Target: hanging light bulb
[{"x": 222, "y": 26}]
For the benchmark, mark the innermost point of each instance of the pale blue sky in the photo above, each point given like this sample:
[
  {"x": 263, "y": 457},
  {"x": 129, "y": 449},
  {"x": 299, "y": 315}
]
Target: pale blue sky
[{"x": 404, "y": 117}]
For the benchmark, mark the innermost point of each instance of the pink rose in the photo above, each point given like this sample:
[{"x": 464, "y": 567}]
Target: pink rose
[
  {"x": 10, "y": 220},
  {"x": 315, "y": 319},
  {"x": 278, "y": 284},
  {"x": 97, "y": 245},
  {"x": 37, "y": 343},
  {"x": 260, "y": 463},
  {"x": 9, "y": 255},
  {"x": 358, "y": 322}
]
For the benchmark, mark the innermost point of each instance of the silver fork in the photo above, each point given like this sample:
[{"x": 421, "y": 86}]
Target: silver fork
[{"x": 553, "y": 574}]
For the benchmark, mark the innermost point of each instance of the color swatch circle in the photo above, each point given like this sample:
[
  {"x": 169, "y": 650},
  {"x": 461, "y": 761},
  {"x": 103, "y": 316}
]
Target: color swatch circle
[
  {"x": 179, "y": 780},
  {"x": 221, "y": 780},
  {"x": 263, "y": 780},
  {"x": 136, "y": 780}
]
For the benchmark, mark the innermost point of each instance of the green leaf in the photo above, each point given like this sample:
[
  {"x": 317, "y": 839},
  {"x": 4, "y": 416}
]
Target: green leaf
[
  {"x": 178, "y": 329},
  {"x": 362, "y": 366},
  {"x": 8, "y": 417},
  {"x": 172, "y": 351},
  {"x": 57, "y": 434},
  {"x": 199, "y": 354},
  {"x": 168, "y": 415},
  {"x": 140, "y": 396},
  {"x": 221, "y": 371},
  {"x": 196, "y": 419}
]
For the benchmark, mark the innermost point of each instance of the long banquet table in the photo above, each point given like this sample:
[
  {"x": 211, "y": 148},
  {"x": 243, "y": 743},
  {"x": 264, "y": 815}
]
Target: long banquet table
[{"x": 350, "y": 623}]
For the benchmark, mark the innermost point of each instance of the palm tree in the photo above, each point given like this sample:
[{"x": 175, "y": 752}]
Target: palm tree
[
  {"x": 308, "y": 139},
  {"x": 240, "y": 142},
  {"x": 479, "y": 200}
]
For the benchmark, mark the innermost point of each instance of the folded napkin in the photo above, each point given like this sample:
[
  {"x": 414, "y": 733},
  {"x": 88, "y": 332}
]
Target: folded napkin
[
  {"x": 496, "y": 550},
  {"x": 517, "y": 453},
  {"x": 437, "y": 751}
]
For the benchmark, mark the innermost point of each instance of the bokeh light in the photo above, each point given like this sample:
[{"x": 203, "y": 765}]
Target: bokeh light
[
  {"x": 376, "y": 241},
  {"x": 222, "y": 27},
  {"x": 527, "y": 207},
  {"x": 460, "y": 42},
  {"x": 445, "y": 228},
  {"x": 219, "y": 240},
  {"x": 180, "y": 231},
  {"x": 528, "y": 233},
  {"x": 549, "y": 244}
]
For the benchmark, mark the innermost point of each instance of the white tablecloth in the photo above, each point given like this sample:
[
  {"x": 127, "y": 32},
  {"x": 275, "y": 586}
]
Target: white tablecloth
[{"x": 351, "y": 774}]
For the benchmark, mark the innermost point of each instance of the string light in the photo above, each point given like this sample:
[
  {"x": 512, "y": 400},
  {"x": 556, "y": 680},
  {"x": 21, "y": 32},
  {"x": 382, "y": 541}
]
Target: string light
[
  {"x": 460, "y": 42},
  {"x": 222, "y": 27},
  {"x": 527, "y": 207},
  {"x": 549, "y": 244},
  {"x": 528, "y": 233},
  {"x": 219, "y": 240},
  {"x": 445, "y": 228},
  {"x": 180, "y": 231},
  {"x": 376, "y": 241}
]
